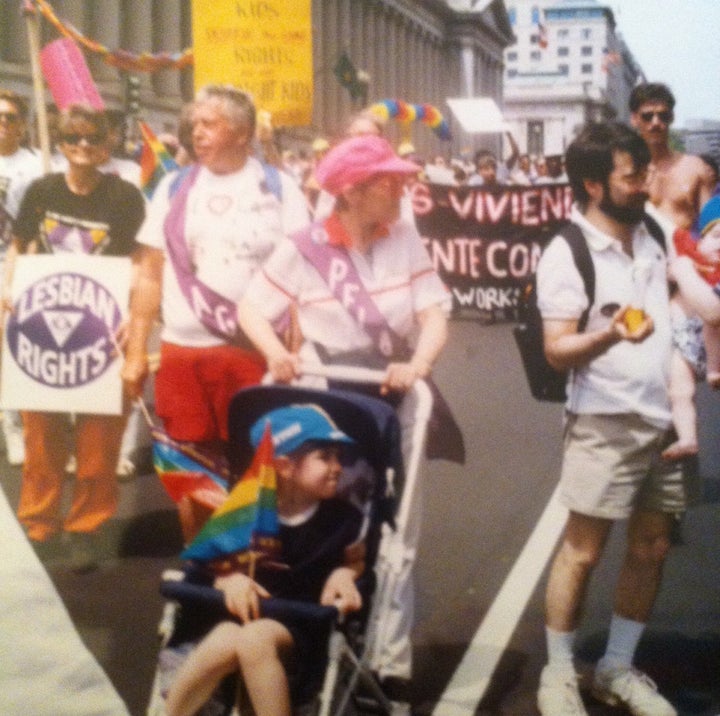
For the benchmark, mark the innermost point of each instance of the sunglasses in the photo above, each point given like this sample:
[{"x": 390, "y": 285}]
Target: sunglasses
[
  {"x": 10, "y": 117},
  {"x": 92, "y": 139},
  {"x": 664, "y": 116}
]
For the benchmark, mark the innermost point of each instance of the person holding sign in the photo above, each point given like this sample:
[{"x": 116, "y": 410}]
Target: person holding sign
[
  {"x": 363, "y": 283},
  {"x": 209, "y": 228},
  {"x": 81, "y": 211}
]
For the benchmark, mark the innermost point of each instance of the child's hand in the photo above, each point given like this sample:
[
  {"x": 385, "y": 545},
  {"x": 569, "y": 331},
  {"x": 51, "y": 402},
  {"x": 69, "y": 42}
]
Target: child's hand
[
  {"x": 340, "y": 591},
  {"x": 242, "y": 595}
]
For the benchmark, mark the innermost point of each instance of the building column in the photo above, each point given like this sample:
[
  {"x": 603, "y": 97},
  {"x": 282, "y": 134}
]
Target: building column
[
  {"x": 167, "y": 37},
  {"x": 14, "y": 41},
  {"x": 104, "y": 27},
  {"x": 137, "y": 35}
]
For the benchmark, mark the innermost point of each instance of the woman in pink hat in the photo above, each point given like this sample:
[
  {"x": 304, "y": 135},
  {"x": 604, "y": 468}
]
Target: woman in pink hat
[
  {"x": 361, "y": 283},
  {"x": 360, "y": 268}
]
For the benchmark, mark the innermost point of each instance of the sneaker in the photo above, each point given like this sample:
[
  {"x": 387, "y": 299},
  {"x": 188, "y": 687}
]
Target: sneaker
[
  {"x": 628, "y": 687},
  {"x": 559, "y": 694}
]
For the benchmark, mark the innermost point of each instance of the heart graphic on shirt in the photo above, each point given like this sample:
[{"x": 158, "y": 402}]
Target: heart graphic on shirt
[{"x": 220, "y": 203}]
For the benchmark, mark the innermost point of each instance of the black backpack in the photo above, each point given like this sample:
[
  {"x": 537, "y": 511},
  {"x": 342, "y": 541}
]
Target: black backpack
[{"x": 545, "y": 382}]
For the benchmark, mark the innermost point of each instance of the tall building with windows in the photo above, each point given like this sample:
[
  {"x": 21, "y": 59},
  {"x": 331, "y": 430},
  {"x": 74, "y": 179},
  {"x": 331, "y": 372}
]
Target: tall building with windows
[{"x": 568, "y": 66}]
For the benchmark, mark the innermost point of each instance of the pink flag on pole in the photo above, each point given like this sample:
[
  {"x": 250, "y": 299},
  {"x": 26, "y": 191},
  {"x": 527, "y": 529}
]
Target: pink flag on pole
[{"x": 68, "y": 76}]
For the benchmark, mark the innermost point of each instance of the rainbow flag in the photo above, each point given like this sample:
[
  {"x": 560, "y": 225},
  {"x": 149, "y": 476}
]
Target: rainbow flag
[
  {"x": 184, "y": 470},
  {"x": 155, "y": 161},
  {"x": 245, "y": 526}
]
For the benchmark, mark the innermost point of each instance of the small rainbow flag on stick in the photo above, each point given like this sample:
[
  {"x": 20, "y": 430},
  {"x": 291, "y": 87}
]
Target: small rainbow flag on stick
[
  {"x": 244, "y": 529},
  {"x": 195, "y": 481},
  {"x": 155, "y": 161}
]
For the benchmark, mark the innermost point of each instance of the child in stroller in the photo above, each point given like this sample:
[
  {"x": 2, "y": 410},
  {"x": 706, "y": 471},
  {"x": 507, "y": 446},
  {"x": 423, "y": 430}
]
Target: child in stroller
[{"x": 319, "y": 536}]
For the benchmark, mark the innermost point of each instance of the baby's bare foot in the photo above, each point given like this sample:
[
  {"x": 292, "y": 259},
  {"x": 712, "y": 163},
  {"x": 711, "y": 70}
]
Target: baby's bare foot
[{"x": 680, "y": 449}]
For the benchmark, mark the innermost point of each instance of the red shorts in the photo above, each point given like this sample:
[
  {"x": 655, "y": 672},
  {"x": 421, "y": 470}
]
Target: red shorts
[{"x": 194, "y": 386}]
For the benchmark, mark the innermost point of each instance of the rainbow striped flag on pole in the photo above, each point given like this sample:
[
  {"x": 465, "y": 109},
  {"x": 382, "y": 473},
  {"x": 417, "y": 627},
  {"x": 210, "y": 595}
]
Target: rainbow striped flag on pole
[
  {"x": 155, "y": 161},
  {"x": 245, "y": 527}
]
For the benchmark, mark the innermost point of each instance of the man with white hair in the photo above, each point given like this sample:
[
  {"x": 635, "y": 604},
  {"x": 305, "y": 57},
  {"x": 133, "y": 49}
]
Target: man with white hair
[{"x": 209, "y": 227}]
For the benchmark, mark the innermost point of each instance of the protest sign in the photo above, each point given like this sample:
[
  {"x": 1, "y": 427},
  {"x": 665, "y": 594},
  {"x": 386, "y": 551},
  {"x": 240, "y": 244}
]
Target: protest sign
[
  {"x": 485, "y": 243},
  {"x": 59, "y": 352},
  {"x": 261, "y": 46}
]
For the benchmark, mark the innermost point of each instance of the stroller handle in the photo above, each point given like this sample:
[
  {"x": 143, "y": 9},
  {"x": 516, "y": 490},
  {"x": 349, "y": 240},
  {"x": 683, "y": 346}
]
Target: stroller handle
[
  {"x": 358, "y": 374},
  {"x": 348, "y": 373}
]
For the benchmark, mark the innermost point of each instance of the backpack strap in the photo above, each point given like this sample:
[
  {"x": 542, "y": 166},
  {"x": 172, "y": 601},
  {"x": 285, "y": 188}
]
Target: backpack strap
[
  {"x": 273, "y": 181},
  {"x": 655, "y": 230},
  {"x": 178, "y": 179},
  {"x": 583, "y": 261}
]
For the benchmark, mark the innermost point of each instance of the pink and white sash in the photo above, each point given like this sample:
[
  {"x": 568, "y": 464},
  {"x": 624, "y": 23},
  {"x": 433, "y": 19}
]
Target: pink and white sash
[
  {"x": 214, "y": 311},
  {"x": 337, "y": 269}
]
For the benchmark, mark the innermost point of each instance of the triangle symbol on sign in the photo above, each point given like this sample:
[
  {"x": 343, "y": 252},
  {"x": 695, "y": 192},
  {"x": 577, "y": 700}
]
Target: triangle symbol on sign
[{"x": 62, "y": 324}]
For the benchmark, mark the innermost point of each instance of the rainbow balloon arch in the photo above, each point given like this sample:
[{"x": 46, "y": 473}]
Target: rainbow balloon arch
[{"x": 407, "y": 113}]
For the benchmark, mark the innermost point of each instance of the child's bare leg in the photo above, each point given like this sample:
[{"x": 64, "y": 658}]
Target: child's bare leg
[
  {"x": 260, "y": 650},
  {"x": 682, "y": 399},
  {"x": 253, "y": 649},
  {"x": 214, "y": 658},
  {"x": 711, "y": 336}
]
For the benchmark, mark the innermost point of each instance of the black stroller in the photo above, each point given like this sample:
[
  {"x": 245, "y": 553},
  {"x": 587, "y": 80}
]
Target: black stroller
[{"x": 342, "y": 683}]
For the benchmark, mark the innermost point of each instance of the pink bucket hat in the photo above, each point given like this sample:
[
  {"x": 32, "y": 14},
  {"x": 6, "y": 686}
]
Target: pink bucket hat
[{"x": 356, "y": 160}]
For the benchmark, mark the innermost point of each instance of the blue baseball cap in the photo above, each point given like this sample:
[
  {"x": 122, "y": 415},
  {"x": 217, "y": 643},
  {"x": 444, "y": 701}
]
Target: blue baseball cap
[
  {"x": 709, "y": 214},
  {"x": 293, "y": 425}
]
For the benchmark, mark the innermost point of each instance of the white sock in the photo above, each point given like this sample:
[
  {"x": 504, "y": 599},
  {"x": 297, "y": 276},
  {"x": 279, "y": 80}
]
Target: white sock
[
  {"x": 560, "y": 647},
  {"x": 622, "y": 642}
]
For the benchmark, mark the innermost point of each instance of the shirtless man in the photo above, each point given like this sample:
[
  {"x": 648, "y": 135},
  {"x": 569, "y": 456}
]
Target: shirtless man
[
  {"x": 678, "y": 187},
  {"x": 679, "y": 184}
]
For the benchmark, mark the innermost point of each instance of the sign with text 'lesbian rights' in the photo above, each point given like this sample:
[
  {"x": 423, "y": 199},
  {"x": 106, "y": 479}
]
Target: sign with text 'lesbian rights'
[{"x": 59, "y": 346}]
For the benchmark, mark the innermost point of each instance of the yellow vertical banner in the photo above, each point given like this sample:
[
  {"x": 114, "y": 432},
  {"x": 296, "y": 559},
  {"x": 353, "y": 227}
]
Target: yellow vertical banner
[{"x": 262, "y": 46}]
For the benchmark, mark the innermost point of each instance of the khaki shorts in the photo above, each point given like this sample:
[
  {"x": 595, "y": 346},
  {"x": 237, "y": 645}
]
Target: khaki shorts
[{"x": 612, "y": 467}]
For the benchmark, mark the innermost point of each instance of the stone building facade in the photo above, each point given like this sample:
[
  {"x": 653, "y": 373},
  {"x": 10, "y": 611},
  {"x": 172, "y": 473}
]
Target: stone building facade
[{"x": 420, "y": 51}]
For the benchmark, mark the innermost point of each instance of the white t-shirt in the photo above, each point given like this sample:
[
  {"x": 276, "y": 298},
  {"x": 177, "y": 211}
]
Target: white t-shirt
[
  {"x": 231, "y": 227},
  {"x": 396, "y": 272},
  {"x": 628, "y": 377},
  {"x": 17, "y": 172}
]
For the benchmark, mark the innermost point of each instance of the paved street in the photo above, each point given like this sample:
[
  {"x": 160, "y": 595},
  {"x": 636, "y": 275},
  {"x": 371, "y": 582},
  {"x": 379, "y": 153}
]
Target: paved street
[{"x": 487, "y": 535}]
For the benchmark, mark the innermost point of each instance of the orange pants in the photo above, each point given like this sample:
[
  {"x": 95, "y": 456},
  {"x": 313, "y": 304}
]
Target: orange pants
[{"x": 48, "y": 444}]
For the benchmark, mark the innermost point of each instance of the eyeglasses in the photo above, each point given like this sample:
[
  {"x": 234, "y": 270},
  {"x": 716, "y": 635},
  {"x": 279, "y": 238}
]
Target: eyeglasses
[
  {"x": 92, "y": 139},
  {"x": 664, "y": 116},
  {"x": 10, "y": 117}
]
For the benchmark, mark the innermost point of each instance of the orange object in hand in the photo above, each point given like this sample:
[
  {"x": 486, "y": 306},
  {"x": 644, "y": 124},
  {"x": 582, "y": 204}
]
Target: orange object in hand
[{"x": 633, "y": 319}]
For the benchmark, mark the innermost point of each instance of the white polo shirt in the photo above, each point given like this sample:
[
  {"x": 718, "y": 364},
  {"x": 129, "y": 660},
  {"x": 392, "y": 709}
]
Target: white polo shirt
[{"x": 628, "y": 377}]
